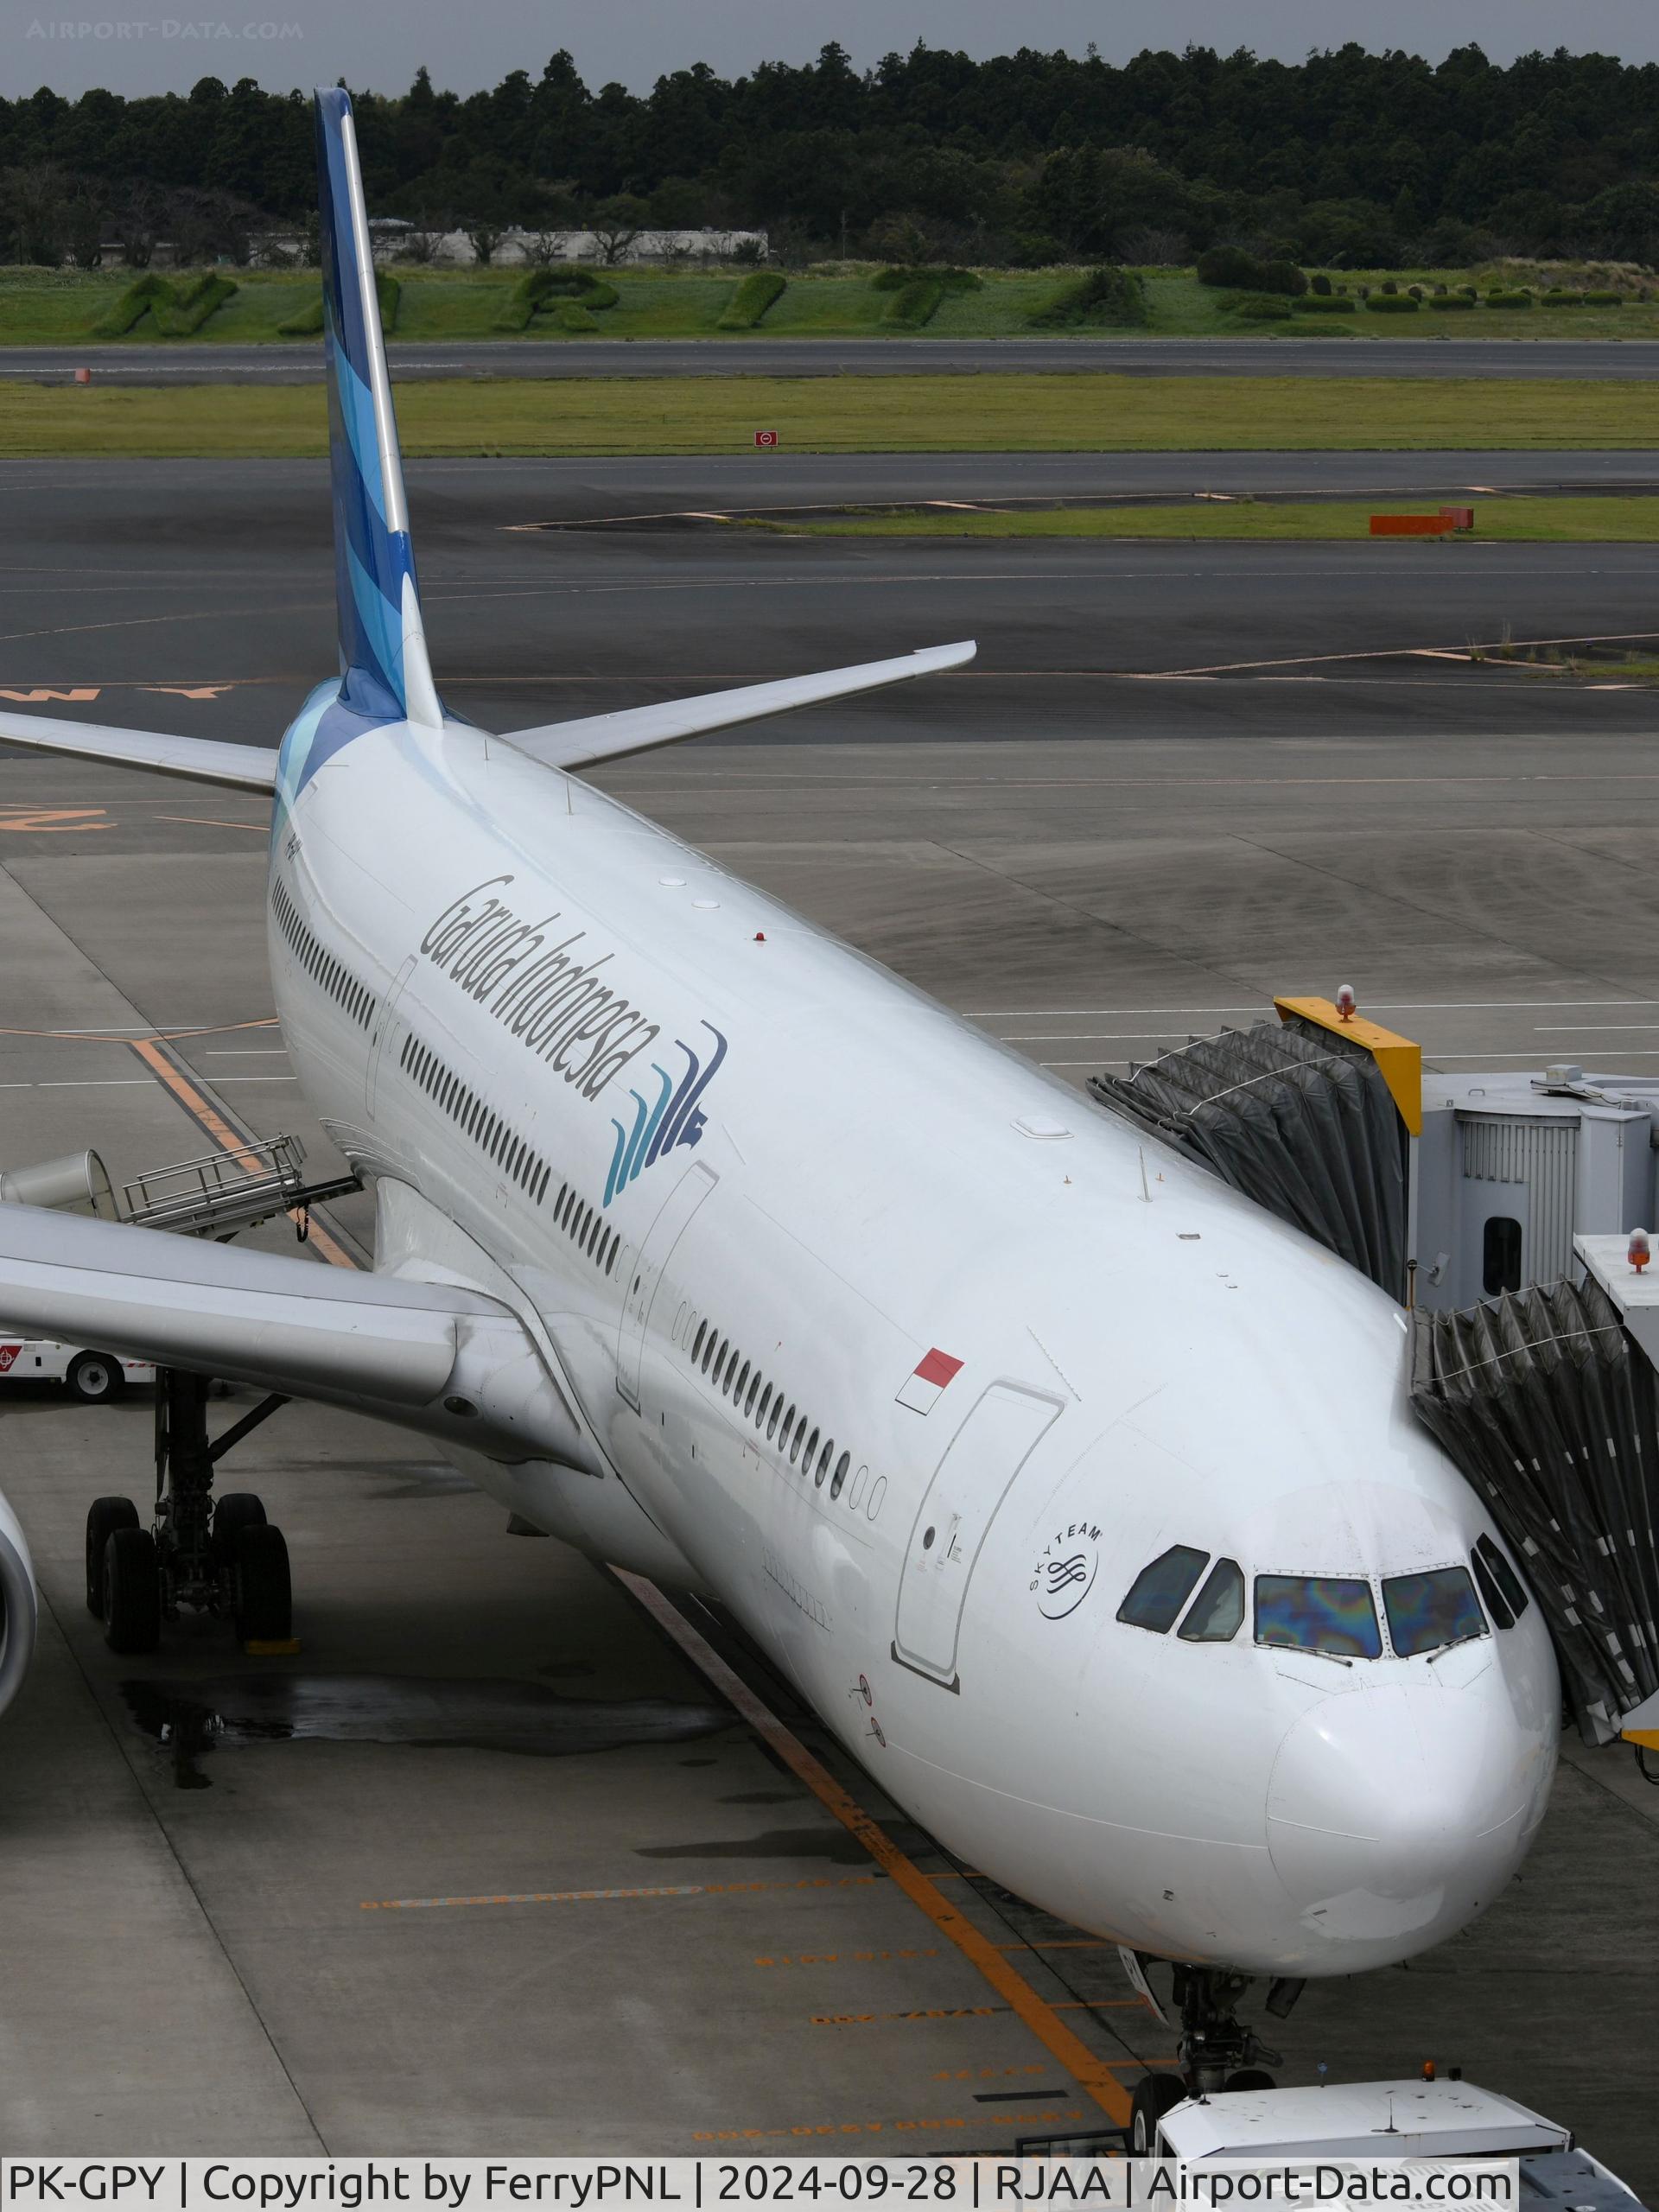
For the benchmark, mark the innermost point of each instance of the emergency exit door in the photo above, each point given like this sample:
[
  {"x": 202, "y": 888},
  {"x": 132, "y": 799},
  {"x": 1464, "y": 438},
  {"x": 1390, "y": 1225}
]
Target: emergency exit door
[{"x": 972, "y": 1479}]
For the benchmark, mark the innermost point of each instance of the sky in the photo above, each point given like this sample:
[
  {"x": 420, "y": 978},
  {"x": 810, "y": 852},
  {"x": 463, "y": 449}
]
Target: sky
[{"x": 377, "y": 45}]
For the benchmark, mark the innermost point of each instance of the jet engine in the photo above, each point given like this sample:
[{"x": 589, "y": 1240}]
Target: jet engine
[{"x": 19, "y": 1606}]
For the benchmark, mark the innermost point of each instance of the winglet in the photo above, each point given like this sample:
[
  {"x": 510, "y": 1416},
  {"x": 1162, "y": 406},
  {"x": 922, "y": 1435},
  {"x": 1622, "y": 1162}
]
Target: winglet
[{"x": 384, "y": 672}]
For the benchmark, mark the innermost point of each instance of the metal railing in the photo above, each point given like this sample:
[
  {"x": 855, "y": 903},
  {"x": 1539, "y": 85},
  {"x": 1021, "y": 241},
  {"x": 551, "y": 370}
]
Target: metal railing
[{"x": 220, "y": 1192}]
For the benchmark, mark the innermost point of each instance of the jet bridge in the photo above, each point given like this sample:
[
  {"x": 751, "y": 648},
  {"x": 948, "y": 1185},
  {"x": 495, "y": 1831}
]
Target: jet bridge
[
  {"x": 1313, "y": 1117},
  {"x": 1498, "y": 1208},
  {"x": 1551, "y": 1408}
]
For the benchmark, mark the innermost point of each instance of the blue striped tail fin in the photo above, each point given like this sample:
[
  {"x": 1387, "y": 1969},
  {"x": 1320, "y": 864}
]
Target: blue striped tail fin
[{"x": 385, "y": 676}]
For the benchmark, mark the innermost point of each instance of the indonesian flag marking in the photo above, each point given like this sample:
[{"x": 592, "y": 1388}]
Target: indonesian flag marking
[{"x": 924, "y": 1387}]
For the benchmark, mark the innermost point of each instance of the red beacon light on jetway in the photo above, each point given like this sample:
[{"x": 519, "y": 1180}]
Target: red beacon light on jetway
[
  {"x": 1638, "y": 1252},
  {"x": 1347, "y": 1004}
]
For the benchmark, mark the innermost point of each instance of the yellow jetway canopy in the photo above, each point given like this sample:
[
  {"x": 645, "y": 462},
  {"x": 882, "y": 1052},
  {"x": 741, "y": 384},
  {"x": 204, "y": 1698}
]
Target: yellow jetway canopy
[{"x": 1399, "y": 1062}]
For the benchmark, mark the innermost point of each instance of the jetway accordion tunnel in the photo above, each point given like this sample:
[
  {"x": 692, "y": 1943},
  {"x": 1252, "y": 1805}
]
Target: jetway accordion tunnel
[{"x": 1543, "y": 1392}]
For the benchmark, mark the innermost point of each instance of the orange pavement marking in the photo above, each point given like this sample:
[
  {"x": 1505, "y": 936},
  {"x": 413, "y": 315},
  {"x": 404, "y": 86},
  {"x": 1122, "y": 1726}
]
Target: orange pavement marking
[
  {"x": 1089, "y": 2073},
  {"x": 55, "y": 819},
  {"x": 148, "y": 1051}
]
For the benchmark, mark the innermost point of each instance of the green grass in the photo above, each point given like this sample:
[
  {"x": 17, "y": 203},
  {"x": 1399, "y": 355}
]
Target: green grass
[
  {"x": 1606, "y": 521},
  {"x": 884, "y": 414},
  {"x": 62, "y": 306}
]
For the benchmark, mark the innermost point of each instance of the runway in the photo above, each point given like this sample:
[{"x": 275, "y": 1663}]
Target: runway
[
  {"x": 1331, "y": 354},
  {"x": 407, "y": 1894}
]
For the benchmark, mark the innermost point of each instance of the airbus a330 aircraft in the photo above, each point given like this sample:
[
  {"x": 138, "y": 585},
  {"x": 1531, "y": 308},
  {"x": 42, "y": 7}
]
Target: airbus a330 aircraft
[{"x": 1084, "y": 1504}]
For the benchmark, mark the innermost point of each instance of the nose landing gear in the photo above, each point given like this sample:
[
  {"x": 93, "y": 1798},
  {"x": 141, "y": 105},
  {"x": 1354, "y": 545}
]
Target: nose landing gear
[
  {"x": 1217, "y": 2051},
  {"x": 223, "y": 1558}
]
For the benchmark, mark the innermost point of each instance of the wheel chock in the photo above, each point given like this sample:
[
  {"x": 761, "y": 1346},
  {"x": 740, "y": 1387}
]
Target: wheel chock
[{"x": 272, "y": 1647}]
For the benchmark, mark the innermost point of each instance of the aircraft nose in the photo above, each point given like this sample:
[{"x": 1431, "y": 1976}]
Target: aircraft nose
[{"x": 1396, "y": 1813}]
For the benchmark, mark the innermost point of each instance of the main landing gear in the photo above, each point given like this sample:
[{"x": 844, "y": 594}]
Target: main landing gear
[
  {"x": 220, "y": 1557},
  {"x": 1218, "y": 2052}
]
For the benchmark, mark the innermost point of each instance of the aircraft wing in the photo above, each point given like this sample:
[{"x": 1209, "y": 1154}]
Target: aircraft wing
[
  {"x": 638, "y": 729},
  {"x": 436, "y": 1357},
  {"x": 203, "y": 760}
]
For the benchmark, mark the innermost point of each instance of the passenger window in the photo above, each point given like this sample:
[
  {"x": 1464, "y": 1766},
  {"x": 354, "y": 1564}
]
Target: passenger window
[
  {"x": 1159, "y": 1591},
  {"x": 1218, "y": 1612},
  {"x": 812, "y": 1446},
  {"x": 1499, "y": 1580},
  {"x": 777, "y": 1409},
  {"x": 824, "y": 1458},
  {"x": 1428, "y": 1611},
  {"x": 795, "y": 1441},
  {"x": 1317, "y": 1613},
  {"x": 1500, "y": 1256},
  {"x": 842, "y": 1465}
]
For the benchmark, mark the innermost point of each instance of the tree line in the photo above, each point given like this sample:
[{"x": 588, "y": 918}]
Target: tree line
[{"x": 1348, "y": 159}]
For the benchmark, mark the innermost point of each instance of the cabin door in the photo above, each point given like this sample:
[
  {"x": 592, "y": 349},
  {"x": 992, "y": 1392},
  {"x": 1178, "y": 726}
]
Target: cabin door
[{"x": 952, "y": 1524}]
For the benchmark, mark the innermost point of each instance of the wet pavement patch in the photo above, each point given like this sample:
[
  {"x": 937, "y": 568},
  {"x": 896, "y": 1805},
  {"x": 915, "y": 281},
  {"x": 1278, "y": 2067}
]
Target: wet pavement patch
[
  {"x": 422, "y": 1478},
  {"x": 834, "y": 1843},
  {"x": 191, "y": 1719}
]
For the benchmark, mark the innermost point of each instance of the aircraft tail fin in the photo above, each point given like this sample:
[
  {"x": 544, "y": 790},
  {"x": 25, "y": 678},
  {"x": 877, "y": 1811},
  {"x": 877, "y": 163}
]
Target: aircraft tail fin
[{"x": 384, "y": 672}]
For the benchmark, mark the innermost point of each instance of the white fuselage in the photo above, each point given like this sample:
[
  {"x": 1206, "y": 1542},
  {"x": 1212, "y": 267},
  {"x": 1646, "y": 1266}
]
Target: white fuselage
[{"x": 1146, "y": 1360}]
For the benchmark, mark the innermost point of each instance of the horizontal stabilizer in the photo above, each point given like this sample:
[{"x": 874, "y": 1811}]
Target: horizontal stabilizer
[
  {"x": 638, "y": 729},
  {"x": 203, "y": 760},
  {"x": 445, "y": 1359}
]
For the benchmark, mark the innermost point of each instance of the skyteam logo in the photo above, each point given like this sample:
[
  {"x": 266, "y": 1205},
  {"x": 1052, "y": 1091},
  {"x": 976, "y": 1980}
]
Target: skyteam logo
[
  {"x": 673, "y": 1120},
  {"x": 1065, "y": 1574}
]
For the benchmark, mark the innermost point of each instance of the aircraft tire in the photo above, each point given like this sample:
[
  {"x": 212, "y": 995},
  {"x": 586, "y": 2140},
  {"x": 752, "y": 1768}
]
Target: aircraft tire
[
  {"x": 1250, "y": 2078},
  {"x": 264, "y": 1602},
  {"x": 234, "y": 1511},
  {"x": 103, "y": 1517},
  {"x": 132, "y": 1592},
  {"x": 1154, "y": 2095},
  {"x": 95, "y": 1377}
]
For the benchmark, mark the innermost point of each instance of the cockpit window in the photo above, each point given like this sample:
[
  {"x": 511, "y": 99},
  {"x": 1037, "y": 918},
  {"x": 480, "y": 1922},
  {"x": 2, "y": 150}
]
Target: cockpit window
[
  {"x": 1317, "y": 1613},
  {"x": 1428, "y": 1612},
  {"x": 1159, "y": 1591},
  {"x": 1218, "y": 1609},
  {"x": 1500, "y": 1585}
]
